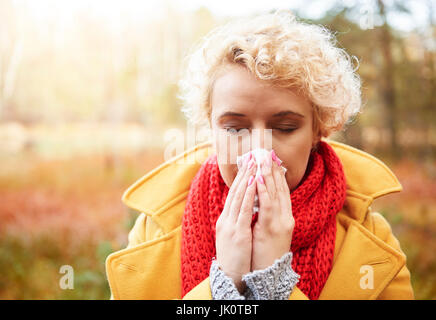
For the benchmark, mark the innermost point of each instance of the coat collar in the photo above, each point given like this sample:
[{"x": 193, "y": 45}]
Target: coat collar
[{"x": 165, "y": 188}]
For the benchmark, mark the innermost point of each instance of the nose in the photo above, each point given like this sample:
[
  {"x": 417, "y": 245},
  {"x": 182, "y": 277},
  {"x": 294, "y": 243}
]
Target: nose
[{"x": 261, "y": 137}]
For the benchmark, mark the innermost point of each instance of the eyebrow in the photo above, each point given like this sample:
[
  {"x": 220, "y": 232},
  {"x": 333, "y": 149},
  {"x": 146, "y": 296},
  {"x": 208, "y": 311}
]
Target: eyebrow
[
  {"x": 279, "y": 114},
  {"x": 287, "y": 113}
]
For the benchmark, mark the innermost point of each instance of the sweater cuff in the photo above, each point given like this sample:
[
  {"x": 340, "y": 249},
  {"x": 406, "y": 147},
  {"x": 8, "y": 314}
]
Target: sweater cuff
[
  {"x": 273, "y": 283},
  {"x": 222, "y": 286}
]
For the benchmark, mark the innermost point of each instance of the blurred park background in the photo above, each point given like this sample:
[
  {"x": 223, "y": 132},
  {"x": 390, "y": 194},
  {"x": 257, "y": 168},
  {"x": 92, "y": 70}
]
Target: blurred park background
[{"x": 89, "y": 88}]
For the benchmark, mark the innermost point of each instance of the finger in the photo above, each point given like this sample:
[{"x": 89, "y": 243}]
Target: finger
[
  {"x": 235, "y": 206},
  {"x": 235, "y": 184},
  {"x": 282, "y": 188},
  {"x": 264, "y": 200},
  {"x": 246, "y": 212},
  {"x": 279, "y": 178},
  {"x": 266, "y": 169}
]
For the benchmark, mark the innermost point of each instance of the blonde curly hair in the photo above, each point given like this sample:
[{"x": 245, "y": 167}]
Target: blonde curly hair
[{"x": 283, "y": 51}]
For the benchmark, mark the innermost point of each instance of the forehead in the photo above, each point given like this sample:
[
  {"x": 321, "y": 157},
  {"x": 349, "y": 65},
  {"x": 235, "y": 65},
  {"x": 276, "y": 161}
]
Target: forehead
[{"x": 237, "y": 90}]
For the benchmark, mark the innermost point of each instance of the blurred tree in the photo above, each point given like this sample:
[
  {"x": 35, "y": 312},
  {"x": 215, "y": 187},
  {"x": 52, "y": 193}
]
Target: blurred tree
[
  {"x": 429, "y": 77},
  {"x": 388, "y": 81},
  {"x": 11, "y": 49},
  {"x": 79, "y": 65},
  {"x": 397, "y": 72}
]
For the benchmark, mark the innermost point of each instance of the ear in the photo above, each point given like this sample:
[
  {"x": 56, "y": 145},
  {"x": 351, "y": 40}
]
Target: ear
[
  {"x": 316, "y": 131},
  {"x": 315, "y": 141}
]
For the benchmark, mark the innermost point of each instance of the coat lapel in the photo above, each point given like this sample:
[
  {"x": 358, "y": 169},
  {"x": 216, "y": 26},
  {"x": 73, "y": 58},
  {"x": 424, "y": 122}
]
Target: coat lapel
[{"x": 364, "y": 265}]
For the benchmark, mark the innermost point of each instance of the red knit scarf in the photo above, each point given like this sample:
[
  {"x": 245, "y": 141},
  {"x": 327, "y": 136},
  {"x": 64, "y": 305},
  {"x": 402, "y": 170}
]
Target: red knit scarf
[{"x": 315, "y": 203}]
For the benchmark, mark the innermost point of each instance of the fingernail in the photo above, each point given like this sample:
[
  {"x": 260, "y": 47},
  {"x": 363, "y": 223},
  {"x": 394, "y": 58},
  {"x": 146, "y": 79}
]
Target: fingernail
[
  {"x": 251, "y": 164},
  {"x": 250, "y": 181},
  {"x": 260, "y": 179},
  {"x": 275, "y": 158}
]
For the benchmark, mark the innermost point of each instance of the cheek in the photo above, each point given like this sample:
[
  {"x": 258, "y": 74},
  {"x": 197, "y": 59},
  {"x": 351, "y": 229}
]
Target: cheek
[
  {"x": 295, "y": 173},
  {"x": 295, "y": 161},
  {"x": 228, "y": 173},
  {"x": 295, "y": 154},
  {"x": 227, "y": 151},
  {"x": 227, "y": 169}
]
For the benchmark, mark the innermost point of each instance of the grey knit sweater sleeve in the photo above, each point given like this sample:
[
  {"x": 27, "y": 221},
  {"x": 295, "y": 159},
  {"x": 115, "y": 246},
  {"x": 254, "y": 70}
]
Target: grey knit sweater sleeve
[
  {"x": 273, "y": 283},
  {"x": 222, "y": 286}
]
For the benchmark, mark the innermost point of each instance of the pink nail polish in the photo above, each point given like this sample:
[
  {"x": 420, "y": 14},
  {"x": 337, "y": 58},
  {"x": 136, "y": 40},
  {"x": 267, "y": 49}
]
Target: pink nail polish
[
  {"x": 251, "y": 164},
  {"x": 260, "y": 179},
  {"x": 250, "y": 181},
  {"x": 275, "y": 158}
]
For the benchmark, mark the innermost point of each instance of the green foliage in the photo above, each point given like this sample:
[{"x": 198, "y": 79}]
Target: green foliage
[{"x": 30, "y": 270}]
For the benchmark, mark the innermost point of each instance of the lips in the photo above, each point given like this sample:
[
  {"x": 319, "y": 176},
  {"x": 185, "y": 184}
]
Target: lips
[{"x": 259, "y": 156}]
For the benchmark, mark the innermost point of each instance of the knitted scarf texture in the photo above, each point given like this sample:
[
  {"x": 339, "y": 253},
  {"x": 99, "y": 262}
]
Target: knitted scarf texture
[{"x": 315, "y": 203}]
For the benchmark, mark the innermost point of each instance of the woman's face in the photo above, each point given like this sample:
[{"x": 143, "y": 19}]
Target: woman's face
[{"x": 243, "y": 108}]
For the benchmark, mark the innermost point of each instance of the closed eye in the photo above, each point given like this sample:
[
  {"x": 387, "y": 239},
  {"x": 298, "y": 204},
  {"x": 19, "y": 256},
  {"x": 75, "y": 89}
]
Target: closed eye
[
  {"x": 234, "y": 130},
  {"x": 286, "y": 130}
]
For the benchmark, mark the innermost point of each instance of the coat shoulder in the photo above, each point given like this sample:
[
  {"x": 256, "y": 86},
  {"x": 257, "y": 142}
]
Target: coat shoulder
[{"x": 365, "y": 174}]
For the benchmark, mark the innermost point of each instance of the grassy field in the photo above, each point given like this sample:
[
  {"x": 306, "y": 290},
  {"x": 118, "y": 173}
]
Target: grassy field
[
  {"x": 68, "y": 212},
  {"x": 64, "y": 212}
]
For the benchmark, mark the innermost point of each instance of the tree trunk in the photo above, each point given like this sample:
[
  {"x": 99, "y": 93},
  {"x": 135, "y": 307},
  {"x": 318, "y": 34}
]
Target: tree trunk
[{"x": 388, "y": 89}]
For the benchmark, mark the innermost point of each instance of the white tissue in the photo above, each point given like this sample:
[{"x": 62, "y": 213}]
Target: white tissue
[{"x": 259, "y": 155}]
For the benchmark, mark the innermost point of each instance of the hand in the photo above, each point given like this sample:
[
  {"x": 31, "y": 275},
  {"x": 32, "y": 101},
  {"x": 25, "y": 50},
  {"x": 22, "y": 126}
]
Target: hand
[
  {"x": 233, "y": 227},
  {"x": 272, "y": 233}
]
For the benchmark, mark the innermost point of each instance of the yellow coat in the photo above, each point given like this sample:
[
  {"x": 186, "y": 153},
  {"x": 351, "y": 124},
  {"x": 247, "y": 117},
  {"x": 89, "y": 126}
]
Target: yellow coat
[{"x": 368, "y": 262}]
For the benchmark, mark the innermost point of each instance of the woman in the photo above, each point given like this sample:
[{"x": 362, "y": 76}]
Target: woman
[{"x": 274, "y": 83}]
